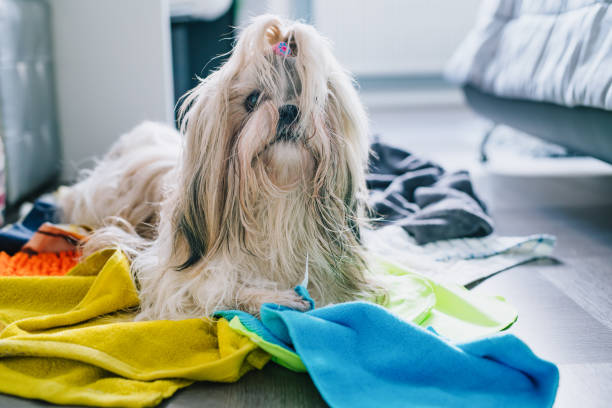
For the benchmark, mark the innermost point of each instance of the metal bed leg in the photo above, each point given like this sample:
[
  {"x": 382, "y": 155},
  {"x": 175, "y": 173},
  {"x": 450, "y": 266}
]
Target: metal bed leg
[{"x": 483, "y": 145}]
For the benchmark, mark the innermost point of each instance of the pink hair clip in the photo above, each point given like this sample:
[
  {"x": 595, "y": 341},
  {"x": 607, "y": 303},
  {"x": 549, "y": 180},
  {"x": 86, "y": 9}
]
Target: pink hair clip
[{"x": 282, "y": 49}]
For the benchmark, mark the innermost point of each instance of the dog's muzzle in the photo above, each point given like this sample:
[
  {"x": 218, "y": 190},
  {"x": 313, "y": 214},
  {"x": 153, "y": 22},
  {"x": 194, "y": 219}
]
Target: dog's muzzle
[{"x": 287, "y": 117}]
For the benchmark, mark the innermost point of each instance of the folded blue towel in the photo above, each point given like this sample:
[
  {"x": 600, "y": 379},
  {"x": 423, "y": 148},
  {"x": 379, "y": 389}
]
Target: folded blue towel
[{"x": 360, "y": 355}]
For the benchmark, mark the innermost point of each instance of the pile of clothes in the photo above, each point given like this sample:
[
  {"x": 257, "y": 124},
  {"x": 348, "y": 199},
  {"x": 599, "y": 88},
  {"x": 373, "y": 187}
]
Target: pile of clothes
[{"x": 71, "y": 338}]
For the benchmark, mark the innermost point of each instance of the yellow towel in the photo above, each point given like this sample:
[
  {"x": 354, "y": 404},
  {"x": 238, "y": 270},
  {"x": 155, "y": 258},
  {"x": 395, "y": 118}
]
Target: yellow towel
[{"x": 71, "y": 340}]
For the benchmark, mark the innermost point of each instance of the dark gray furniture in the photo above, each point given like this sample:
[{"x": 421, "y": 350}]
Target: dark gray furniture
[
  {"x": 28, "y": 125},
  {"x": 581, "y": 129}
]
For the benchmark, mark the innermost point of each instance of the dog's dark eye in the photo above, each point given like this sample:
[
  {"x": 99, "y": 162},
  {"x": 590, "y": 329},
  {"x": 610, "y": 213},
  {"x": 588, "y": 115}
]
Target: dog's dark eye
[{"x": 251, "y": 101}]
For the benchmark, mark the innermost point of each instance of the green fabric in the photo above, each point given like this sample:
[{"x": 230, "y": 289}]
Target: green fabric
[
  {"x": 278, "y": 354},
  {"x": 450, "y": 309}
]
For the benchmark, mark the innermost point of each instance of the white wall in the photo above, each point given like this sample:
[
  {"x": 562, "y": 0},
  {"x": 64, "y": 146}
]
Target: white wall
[
  {"x": 113, "y": 70},
  {"x": 394, "y": 37}
]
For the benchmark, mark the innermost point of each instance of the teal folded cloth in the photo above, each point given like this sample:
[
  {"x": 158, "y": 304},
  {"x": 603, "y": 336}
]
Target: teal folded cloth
[{"x": 360, "y": 355}]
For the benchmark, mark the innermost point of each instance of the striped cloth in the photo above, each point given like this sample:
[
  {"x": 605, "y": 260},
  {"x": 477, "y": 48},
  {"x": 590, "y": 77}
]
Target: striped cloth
[{"x": 464, "y": 260}]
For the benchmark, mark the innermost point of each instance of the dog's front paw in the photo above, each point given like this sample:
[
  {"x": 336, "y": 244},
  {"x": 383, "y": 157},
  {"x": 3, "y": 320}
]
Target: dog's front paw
[
  {"x": 294, "y": 301},
  {"x": 288, "y": 298}
]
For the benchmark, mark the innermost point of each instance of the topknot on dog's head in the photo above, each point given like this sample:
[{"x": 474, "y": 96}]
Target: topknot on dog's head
[
  {"x": 262, "y": 34},
  {"x": 274, "y": 35}
]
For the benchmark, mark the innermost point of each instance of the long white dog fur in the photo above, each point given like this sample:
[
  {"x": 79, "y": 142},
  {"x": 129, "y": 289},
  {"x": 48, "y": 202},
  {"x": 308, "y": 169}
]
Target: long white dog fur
[{"x": 268, "y": 170}]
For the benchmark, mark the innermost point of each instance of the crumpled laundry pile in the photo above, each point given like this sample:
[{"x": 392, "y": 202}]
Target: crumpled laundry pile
[
  {"x": 71, "y": 340},
  {"x": 36, "y": 247},
  {"x": 67, "y": 334},
  {"x": 432, "y": 221}
]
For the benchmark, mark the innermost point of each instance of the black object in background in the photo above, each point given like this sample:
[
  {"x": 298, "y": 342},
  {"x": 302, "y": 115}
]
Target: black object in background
[{"x": 195, "y": 44}]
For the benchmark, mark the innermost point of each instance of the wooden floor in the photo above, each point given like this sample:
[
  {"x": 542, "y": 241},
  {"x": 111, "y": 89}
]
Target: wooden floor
[{"x": 565, "y": 306}]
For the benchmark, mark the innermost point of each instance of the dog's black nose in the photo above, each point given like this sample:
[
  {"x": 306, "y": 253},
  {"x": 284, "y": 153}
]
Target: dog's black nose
[{"x": 287, "y": 114}]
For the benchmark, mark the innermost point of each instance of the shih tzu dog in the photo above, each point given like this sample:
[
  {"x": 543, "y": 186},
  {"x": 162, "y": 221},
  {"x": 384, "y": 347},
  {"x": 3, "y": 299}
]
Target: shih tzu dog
[{"x": 267, "y": 174}]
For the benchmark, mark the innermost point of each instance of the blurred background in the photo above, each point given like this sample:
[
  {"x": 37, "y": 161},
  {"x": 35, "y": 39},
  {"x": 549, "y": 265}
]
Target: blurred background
[
  {"x": 118, "y": 63},
  {"x": 89, "y": 70}
]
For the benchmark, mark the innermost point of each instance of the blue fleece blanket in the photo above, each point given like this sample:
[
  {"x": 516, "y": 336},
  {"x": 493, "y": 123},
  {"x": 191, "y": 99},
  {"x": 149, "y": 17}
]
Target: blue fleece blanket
[{"x": 360, "y": 355}]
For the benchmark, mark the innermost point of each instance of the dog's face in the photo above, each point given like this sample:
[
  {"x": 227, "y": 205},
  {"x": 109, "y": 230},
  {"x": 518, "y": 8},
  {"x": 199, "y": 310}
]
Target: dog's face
[
  {"x": 272, "y": 140},
  {"x": 271, "y": 127}
]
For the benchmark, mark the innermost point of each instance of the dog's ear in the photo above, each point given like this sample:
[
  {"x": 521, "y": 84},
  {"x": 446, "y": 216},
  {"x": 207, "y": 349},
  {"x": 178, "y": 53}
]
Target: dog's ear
[
  {"x": 190, "y": 235},
  {"x": 349, "y": 121},
  {"x": 199, "y": 209},
  {"x": 328, "y": 92},
  {"x": 202, "y": 205}
]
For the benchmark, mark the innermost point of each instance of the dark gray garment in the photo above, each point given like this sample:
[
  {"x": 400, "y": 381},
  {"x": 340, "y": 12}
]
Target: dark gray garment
[{"x": 422, "y": 198}]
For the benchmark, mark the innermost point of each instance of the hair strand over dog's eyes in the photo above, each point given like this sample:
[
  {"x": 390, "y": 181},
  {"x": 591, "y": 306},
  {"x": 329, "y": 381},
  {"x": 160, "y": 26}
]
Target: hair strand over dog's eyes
[{"x": 251, "y": 101}]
